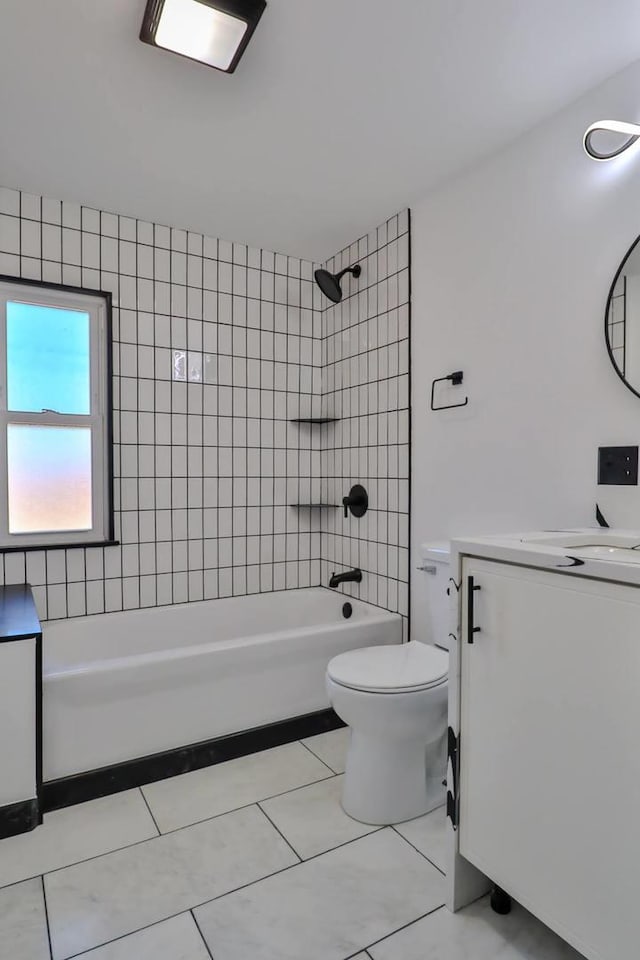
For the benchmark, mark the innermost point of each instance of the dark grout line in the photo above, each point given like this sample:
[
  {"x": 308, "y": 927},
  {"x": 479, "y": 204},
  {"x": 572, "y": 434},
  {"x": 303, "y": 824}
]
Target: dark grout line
[
  {"x": 279, "y": 831},
  {"x": 425, "y": 857},
  {"x": 314, "y": 856},
  {"x": 123, "y": 936},
  {"x": 405, "y": 926},
  {"x": 46, "y": 915},
  {"x": 206, "y": 945},
  {"x": 336, "y": 773},
  {"x": 146, "y": 803}
]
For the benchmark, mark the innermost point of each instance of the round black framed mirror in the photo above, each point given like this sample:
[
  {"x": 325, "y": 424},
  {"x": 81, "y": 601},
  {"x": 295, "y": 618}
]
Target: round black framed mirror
[{"x": 622, "y": 320}]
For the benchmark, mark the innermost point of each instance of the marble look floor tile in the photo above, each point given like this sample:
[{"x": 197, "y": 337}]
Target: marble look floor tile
[
  {"x": 327, "y": 908},
  {"x": 76, "y": 833},
  {"x": 475, "y": 933},
  {"x": 226, "y": 786},
  {"x": 331, "y": 747},
  {"x": 312, "y": 819},
  {"x": 114, "y": 895},
  {"x": 428, "y": 834},
  {"x": 175, "y": 939},
  {"x": 23, "y": 923}
]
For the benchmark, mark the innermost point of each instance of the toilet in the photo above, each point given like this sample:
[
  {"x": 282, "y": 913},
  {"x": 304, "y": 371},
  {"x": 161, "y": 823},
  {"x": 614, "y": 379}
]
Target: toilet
[{"x": 395, "y": 698}]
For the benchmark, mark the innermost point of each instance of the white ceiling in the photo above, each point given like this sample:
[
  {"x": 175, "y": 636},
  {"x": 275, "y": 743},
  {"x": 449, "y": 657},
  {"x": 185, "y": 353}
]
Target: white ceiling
[{"x": 341, "y": 112}]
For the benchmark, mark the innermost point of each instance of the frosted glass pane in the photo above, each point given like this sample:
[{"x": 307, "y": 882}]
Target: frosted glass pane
[
  {"x": 49, "y": 472},
  {"x": 47, "y": 359}
]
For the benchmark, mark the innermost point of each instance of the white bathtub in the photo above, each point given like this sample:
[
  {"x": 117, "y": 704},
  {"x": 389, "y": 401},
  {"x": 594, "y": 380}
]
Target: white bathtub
[{"x": 119, "y": 686}]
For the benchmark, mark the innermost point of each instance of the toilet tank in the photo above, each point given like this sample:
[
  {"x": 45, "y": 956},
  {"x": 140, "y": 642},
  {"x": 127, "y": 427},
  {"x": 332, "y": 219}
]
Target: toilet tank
[{"x": 433, "y": 582}]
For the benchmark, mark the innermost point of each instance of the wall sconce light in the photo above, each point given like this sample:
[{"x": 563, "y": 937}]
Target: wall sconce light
[
  {"x": 214, "y": 32},
  {"x": 631, "y": 130}
]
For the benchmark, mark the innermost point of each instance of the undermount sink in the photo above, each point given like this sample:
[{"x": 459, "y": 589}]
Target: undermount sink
[{"x": 623, "y": 546}]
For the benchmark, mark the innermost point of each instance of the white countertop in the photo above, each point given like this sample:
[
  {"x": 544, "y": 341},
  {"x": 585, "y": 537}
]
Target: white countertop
[{"x": 601, "y": 553}]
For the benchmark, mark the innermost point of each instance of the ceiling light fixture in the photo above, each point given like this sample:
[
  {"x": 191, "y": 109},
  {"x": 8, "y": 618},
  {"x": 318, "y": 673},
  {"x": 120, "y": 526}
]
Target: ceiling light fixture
[
  {"x": 631, "y": 130},
  {"x": 215, "y": 32}
]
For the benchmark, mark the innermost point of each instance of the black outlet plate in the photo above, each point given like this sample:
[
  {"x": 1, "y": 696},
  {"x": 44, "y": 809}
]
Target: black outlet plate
[{"x": 618, "y": 465}]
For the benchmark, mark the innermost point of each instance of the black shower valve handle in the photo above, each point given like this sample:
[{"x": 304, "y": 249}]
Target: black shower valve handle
[{"x": 357, "y": 500}]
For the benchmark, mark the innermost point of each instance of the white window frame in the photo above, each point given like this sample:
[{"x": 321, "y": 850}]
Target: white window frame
[{"x": 99, "y": 419}]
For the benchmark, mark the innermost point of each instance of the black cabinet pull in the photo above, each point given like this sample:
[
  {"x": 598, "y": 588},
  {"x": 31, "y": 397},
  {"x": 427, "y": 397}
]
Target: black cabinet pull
[{"x": 471, "y": 588}]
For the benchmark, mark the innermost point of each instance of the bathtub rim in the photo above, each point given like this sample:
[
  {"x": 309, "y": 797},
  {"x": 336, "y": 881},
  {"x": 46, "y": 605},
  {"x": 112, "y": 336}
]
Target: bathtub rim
[
  {"x": 55, "y": 622},
  {"x": 115, "y": 664}
]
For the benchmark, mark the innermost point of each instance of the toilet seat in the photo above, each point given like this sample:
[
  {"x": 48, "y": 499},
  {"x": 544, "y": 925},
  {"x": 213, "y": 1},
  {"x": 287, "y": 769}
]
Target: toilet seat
[{"x": 397, "y": 668}]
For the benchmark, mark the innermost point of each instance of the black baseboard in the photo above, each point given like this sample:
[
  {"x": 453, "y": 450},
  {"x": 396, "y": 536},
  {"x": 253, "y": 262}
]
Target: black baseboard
[
  {"x": 159, "y": 766},
  {"x": 19, "y": 817}
]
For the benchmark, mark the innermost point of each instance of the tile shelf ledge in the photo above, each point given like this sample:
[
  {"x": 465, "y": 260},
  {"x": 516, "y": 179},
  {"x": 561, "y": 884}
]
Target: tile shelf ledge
[
  {"x": 314, "y": 506},
  {"x": 315, "y": 420}
]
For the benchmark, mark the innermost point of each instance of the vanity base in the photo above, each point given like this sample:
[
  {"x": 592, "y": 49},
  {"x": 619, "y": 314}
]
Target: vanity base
[
  {"x": 500, "y": 901},
  {"x": 546, "y": 687}
]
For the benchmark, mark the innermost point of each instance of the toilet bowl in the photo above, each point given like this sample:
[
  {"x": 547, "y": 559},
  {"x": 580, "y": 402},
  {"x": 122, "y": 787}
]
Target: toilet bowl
[{"x": 395, "y": 700}]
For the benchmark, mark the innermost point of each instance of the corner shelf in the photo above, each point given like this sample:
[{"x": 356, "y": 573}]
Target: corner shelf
[
  {"x": 315, "y": 420},
  {"x": 314, "y": 506}
]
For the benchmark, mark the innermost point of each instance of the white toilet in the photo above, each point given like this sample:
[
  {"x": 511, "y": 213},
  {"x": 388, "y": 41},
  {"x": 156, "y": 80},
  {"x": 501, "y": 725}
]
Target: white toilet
[{"x": 394, "y": 699}]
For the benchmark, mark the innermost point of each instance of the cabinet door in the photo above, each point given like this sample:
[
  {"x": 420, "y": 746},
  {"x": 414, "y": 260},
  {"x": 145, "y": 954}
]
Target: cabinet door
[{"x": 550, "y": 749}]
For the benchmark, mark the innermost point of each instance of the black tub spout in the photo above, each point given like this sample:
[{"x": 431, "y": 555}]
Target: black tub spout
[{"x": 349, "y": 576}]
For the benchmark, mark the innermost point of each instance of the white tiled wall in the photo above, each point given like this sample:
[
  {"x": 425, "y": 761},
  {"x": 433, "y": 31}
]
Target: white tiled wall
[
  {"x": 207, "y": 468},
  {"x": 365, "y": 382},
  {"x": 204, "y": 470}
]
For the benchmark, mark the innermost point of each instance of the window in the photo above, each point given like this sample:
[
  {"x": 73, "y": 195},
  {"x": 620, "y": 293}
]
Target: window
[{"x": 55, "y": 416}]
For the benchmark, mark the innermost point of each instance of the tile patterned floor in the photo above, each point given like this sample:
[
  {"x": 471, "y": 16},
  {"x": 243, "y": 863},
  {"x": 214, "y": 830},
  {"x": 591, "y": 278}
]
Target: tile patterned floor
[{"x": 248, "y": 859}]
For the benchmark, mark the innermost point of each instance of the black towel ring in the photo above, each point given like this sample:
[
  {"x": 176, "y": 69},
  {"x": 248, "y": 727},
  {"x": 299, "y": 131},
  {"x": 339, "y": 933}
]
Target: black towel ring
[{"x": 455, "y": 379}]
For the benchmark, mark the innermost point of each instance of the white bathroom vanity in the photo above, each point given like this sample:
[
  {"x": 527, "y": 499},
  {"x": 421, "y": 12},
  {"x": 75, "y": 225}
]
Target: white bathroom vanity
[{"x": 544, "y": 714}]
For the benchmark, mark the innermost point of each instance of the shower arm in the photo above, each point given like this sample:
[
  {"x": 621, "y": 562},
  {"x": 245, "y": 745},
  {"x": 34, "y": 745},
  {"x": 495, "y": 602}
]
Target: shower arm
[{"x": 355, "y": 271}]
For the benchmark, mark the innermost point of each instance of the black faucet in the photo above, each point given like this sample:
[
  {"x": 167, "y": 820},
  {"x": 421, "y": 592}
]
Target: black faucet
[{"x": 349, "y": 576}]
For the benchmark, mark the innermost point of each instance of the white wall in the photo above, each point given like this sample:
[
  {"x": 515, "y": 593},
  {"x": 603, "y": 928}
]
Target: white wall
[{"x": 511, "y": 269}]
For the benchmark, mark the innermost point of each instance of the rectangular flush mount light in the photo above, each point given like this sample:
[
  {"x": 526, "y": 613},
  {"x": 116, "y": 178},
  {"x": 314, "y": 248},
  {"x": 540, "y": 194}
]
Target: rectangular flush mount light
[{"x": 214, "y": 32}]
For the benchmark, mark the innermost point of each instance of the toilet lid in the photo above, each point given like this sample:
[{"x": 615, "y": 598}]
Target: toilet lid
[{"x": 405, "y": 666}]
